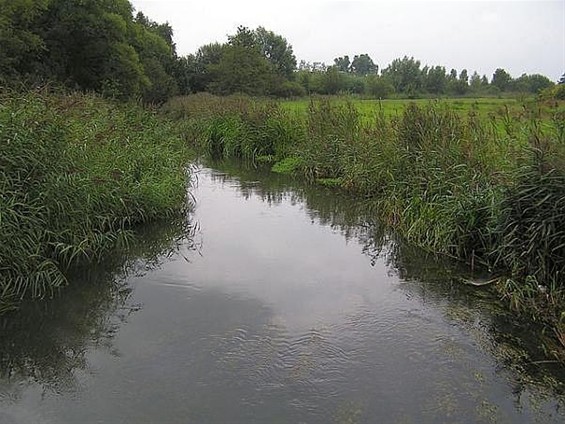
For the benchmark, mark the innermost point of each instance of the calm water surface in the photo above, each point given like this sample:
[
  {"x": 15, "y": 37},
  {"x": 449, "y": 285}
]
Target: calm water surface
[{"x": 284, "y": 304}]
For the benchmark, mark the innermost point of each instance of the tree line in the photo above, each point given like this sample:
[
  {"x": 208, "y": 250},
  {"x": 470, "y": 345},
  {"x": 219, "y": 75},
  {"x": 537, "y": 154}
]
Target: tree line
[
  {"x": 102, "y": 46},
  {"x": 408, "y": 78}
]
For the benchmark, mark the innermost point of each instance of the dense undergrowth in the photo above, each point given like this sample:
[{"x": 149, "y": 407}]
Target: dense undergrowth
[
  {"x": 488, "y": 190},
  {"x": 76, "y": 175}
]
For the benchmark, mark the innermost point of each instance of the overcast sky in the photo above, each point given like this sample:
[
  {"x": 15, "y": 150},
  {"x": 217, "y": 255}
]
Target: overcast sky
[{"x": 519, "y": 36}]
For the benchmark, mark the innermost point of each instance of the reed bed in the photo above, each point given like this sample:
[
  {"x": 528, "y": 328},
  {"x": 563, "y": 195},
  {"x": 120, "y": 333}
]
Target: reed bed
[
  {"x": 488, "y": 189},
  {"x": 76, "y": 175}
]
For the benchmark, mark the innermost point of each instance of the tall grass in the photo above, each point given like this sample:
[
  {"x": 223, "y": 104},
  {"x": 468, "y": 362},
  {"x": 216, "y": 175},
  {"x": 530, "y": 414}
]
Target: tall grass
[
  {"x": 488, "y": 189},
  {"x": 236, "y": 126},
  {"x": 76, "y": 174}
]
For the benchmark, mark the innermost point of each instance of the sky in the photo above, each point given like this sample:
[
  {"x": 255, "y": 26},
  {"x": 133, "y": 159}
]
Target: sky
[{"x": 518, "y": 36}]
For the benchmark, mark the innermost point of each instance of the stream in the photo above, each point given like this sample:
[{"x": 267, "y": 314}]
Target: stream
[{"x": 273, "y": 302}]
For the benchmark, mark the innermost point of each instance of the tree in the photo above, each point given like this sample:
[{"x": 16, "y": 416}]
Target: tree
[
  {"x": 20, "y": 44},
  {"x": 157, "y": 52},
  {"x": 461, "y": 85},
  {"x": 464, "y": 76},
  {"x": 561, "y": 80},
  {"x": 255, "y": 62},
  {"x": 435, "y": 81},
  {"x": 244, "y": 37},
  {"x": 475, "y": 82},
  {"x": 501, "y": 79},
  {"x": 277, "y": 51},
  {"x": 342, "y": 63},
  {"x": 206, "y": 56},
  {"x": 405, "y": 75},
  {"x": 363, "y": 65},
  {"x": 333, "y": 81},
  {"x": 241, "y": 69},
  {"x": 531, "y": 83},
  {"x": 83, "y": 44},
  {"x": 94, "y": 45}
]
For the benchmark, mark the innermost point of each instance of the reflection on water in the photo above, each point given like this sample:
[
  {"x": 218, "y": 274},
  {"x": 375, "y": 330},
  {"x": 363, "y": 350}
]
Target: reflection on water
[
  {"x": 46, "y": 344},
  {"x": 296, "y": 307}
]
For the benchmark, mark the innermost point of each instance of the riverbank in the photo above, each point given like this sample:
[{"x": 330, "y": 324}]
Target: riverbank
[
  {"x": 484, "y": 188},
  {"x": 77, "y": 175}
]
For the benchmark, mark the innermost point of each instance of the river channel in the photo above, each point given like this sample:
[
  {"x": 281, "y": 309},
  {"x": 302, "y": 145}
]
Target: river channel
[{"x": 273, "y": 302}]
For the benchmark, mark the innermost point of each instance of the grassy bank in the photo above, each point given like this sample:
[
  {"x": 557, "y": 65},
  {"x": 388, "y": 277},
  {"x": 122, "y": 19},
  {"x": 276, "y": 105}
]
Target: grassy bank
[
  {"x": 76, "y": 175},
  {"x": 485, "y": 186}
]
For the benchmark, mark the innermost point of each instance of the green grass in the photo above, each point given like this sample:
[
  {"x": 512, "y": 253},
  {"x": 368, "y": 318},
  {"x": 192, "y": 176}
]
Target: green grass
[
  {"x": 392, "y": 107},
  {"x": 500, "y": 112},
  {"x": 76, "y": 174}
]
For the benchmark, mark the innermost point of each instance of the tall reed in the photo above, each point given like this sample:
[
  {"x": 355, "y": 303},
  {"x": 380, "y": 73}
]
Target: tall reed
[{"x": 76, "y": 174}]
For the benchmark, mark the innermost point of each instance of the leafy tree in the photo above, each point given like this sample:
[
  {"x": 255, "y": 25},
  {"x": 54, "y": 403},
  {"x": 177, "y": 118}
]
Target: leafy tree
[
  {"x": 531, "y": 83},
  {"x": 342, "y": 63},
  {"x": 206, "y": 56},
  {"x": 157, "y": 52},
  {"x": 501, "y": 79},
  {"x": 20, "y": 44},
  {"x": 561, "y": 80},
  {"x": 244, "y": 37},
  {"x": 255, "y": 62},
  {"x": 363, "y": 65},
  {"x": 277, "y": 51},
  {"x": 354, "y": 84},
  {"x": 241, "y": 69},
  {"x": 405, "y": 75},
  {"x": 476, "y": 84},
  {"x": 458, "y": 86},
  {"x": 333, "y": 81},
  {"x": 435, "y": 81},
  {"x": 83, "y": 41},
  {"x": 185, "y": 74},
  {"x": 464, "y": 76}
]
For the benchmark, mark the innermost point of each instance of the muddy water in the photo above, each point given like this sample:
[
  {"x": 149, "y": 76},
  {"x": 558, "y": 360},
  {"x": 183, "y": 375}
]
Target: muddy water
[{"x": 275, "y": 303}]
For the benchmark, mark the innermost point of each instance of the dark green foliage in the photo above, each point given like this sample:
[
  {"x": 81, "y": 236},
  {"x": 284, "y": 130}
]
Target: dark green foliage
[
  {"x": 342, "y": 63},
  {"x": 240, "y": 70},
  {"x": 405, "y": 75},
  {"x": 92, "y": 45},
  {"x": 75, "y": 175},
  {"x": 501, "y": 79},
  {"x": 255, "y": 62},
  {"x": 277, "y": 51},
  {"x": 20, "y": 43},
  {"x": 363, "y": 65},
  {"x": 531, "y": 83}
]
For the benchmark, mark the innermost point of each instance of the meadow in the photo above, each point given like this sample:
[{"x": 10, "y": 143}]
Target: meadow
[
  {"x": 482, "y": 181},
  {"x": 396, "y": 107}
]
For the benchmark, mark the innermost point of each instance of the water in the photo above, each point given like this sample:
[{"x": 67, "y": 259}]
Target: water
[{"x": 283, "y": 304}]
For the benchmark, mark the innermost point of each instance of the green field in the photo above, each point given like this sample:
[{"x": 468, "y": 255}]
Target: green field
[{"x": 484, "y": 107}]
